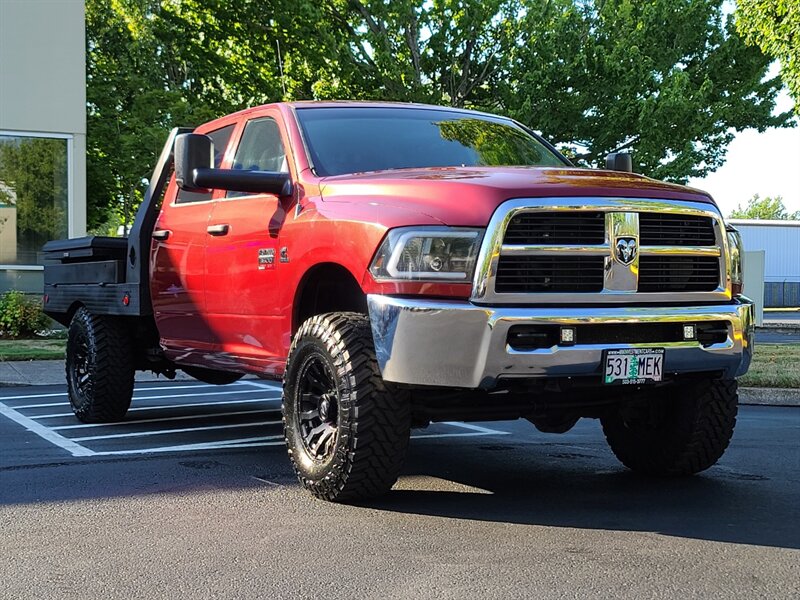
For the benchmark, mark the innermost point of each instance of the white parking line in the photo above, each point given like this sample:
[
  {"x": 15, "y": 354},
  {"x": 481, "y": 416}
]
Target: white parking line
[
  {"x": 165, "y": 406},
  {"x": 478, "y": 428},
  {"x": 43, "y": 432},
  {"x": 277, "y": 440},
  {"x": 151, "y": 389},
  {"x": 262, "y": 385},
  {"x": 149, "y": 398},
  {"x": 218, "y": 445},
  {"x": 179, "y": 418},
  {"x": 167, "y": 431}
]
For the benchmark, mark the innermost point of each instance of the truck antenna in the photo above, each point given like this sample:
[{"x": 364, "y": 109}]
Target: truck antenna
[{"x": 280, "y": 67}]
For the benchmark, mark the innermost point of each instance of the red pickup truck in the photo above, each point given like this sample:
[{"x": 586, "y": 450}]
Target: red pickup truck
[{"x": 399, "y": 264}]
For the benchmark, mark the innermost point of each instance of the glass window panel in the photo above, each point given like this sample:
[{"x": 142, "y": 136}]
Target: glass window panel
[
  {"x": 34, "y": 192},
  {"x": 220, "y": 137}
]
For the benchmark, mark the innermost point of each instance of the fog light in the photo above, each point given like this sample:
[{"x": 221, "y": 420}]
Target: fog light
[
  {"x": 689, "y": 332},
  {"x": 567, "y": 336}
]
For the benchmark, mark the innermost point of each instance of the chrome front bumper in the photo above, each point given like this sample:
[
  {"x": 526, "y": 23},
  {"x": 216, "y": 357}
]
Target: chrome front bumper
[{"x": 460, "y": 344}]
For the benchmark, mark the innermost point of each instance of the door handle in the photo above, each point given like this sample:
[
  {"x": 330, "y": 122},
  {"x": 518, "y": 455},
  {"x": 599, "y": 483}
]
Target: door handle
[
  {"x": 221, "y": 229},
  {"x": 161, "y": 234}
]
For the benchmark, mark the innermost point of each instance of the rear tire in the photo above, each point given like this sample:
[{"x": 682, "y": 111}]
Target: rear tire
[
  {"x": 681, "y": 430},
  {"x": 100, "y": 367},
  {"x": 346, "y": 429}
]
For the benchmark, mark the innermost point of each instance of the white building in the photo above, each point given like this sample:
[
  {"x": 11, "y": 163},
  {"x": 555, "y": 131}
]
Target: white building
[
  {"x": 42, "y": 133},
  {"x": 780, "y": 241}
]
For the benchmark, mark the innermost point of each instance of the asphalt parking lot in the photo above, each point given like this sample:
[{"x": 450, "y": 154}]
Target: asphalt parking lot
[{"x": 192, "y": 496}]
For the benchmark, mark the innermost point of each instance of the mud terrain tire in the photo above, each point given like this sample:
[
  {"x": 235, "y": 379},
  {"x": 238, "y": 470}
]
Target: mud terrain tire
[
  {"x": 100, "y": 367},
  {"x": 346, "y": 429},
  {"x": 684, "y": 430}
]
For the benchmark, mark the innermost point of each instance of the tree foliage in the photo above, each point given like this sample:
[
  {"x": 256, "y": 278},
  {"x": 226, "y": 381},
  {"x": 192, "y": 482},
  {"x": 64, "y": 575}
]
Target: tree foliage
[
  {"x": 670, "y": 80},
  {"x": 774, "y": 25},
  {"x": 36, "y": 170},
  {"x": 769, "y": 208}
]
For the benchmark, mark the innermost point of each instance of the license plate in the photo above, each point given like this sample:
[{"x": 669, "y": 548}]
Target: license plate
[{"x": 632, "y": 366}]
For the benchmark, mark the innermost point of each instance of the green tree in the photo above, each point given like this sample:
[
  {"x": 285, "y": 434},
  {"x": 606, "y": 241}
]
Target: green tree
[
  {"x": 157, "y": 64},
  {"x": 774, "y": 25},
  {"x": 769, "y": 207},
  {"x": 670, "y": 80}
]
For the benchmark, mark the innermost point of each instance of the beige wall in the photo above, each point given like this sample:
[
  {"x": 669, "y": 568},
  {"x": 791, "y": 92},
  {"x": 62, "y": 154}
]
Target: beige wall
[{"x": 43, "y": 81}]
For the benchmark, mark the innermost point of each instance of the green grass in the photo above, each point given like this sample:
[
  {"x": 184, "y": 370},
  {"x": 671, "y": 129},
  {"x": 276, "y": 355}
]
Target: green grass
[
  {"x": 774, "y": 365},
  {"x": 37, "y": 349}
]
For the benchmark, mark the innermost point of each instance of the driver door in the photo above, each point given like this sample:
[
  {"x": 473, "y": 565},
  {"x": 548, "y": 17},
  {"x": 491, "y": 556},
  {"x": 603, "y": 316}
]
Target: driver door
[{"x": 243, "y": 255}]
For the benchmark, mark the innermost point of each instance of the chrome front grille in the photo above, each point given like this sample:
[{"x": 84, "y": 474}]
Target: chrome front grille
[
  {"x": 678, "y": 273},
  {"x": 579, "y": 250},
  {"x": 530, "y": 274},
  {"x": 666, "y": 229},
  {"x": 556, "y": 228}
]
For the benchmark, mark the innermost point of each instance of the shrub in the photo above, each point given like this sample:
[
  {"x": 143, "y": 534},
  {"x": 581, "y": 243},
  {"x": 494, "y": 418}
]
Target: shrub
[{"x": 20, "y": 315}]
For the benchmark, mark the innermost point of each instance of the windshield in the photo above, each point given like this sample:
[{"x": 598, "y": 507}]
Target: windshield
[{"x": 359, "y": 139}]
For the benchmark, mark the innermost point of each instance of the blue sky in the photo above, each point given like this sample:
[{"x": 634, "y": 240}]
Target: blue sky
[{"x": 767, "y": 164}]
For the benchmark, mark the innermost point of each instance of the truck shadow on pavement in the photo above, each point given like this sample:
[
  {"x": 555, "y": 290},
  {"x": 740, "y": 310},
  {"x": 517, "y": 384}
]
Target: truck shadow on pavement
[
  {"x": 554, "y": 486},
  {"x": 496, "y": 479}
]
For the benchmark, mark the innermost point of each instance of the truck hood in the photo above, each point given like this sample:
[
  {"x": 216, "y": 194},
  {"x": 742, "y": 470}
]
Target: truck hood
[{"x": 468, "y": 196}]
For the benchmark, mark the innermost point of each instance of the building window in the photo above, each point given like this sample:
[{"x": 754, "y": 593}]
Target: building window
[{"x": 34, "y": 196}]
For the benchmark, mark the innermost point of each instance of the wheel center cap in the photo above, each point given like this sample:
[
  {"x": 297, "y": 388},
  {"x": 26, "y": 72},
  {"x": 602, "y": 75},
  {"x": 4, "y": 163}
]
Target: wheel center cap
[{"x": 324, "y": 407}]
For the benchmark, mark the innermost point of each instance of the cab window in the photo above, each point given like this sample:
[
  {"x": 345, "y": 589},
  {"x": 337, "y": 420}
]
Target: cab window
[
  {"x": 220, "y": 137},
  {"x": 260, "y": 149}
]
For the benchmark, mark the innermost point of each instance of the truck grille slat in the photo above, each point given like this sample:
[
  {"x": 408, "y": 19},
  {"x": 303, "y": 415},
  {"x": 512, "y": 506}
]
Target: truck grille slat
[
  {"x": 528, "y": 274},
  {"x": 556, "y": 228},
  {"x": 665, "y": 229},
  {"x": 678, "y": 273}
]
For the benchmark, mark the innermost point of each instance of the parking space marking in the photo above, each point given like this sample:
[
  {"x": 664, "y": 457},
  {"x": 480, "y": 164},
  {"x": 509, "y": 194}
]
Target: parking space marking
[
  {"x": 165, "y": 406},
  {"x": 179, "y": 418},
  {"x": 150, "y": 389},
  {"x": 126, "y": 442},
  {"x": 478, "y": 428},
  {"x": 218, "y": 445},
  {"x": 168, "y": 431},
  {"x": 51, "y": 404},
  {"x": 262, "y": 385},
  {"x": 44, "y": 432}
]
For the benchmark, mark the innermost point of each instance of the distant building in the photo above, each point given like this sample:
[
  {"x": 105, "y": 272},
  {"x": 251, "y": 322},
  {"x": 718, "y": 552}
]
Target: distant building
[
  {"x": 42, "y": 133},
  {"x": 780, "y": 241}
]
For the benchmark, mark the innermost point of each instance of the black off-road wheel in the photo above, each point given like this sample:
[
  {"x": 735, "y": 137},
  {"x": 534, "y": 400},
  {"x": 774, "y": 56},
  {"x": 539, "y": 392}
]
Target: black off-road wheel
[
  {"x": 678, "y": 430},
  {"x": 100, "y": 367},
  {"x": 346, "y": 429}
]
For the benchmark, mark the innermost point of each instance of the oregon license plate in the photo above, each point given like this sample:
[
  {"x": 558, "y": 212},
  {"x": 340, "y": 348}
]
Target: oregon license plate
[{"x": 631, "y": 366}]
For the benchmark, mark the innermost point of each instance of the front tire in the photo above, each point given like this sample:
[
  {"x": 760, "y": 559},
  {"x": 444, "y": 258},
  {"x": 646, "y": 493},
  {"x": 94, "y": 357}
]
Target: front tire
[
  {"x": 100, "y": 367},
  {"x": 346, "y": 429},
  {"x": 680, "y": 430}
]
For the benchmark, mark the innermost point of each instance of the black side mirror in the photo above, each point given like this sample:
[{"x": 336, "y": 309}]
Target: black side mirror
[
  {"x": 195, "y": 172},
  {"x": 619, "y": 161},
  {"x": 193, "y": 151}
]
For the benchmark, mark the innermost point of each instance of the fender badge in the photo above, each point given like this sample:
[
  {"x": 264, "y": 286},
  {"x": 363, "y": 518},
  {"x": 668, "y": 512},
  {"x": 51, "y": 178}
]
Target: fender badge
[
  {"x": 266, "y": 256},
  {"x": 284, "y": 255}
]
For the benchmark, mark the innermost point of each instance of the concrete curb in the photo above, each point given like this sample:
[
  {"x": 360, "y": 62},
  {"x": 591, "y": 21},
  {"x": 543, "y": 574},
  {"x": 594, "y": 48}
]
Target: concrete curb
[
  {"x": 778, "y": 328},
  {"x": 769, "y": 396}
]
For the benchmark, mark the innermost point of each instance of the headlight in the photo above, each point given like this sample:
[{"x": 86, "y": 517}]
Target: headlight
[
  {"x": 737, "y": 260},
  {"x": 428, "y": 253}
]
